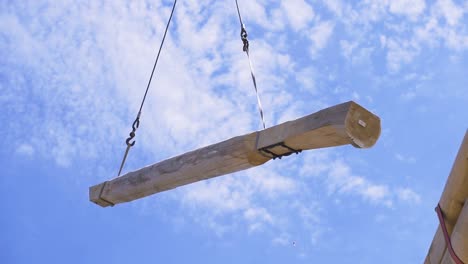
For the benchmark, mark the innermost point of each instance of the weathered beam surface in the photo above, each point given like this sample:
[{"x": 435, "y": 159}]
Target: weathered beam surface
[
  {"x": 451, "y": 202},
  {"x": 346, "y": 123}
]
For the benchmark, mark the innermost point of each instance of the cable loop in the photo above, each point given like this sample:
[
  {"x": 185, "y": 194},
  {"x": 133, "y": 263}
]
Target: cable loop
[{"x": 136, "y": 123}]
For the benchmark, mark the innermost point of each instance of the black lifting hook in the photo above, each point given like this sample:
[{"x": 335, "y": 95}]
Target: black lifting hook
[{"x": 135, "y": 125}]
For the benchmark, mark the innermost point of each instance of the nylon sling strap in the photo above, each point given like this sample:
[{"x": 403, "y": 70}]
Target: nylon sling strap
[{"x": 245, "y": 41}]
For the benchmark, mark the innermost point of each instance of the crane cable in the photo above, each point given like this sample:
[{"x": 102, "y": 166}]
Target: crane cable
[
  {"x": 136, "y": 123},
  {"x": 245, "y": 41}
]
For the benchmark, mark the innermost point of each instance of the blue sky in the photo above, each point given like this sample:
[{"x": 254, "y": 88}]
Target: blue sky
[{"x": 72, "y": 74}]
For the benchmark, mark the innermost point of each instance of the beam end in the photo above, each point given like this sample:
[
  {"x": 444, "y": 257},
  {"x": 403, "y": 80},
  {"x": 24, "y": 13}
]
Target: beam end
[
  {"x": 362, "y": 126},
  {"x": 95, "y": 195}
]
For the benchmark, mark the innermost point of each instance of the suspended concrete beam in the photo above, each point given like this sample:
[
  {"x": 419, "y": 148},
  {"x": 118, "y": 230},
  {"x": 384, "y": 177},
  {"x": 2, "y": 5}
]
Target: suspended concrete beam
[
  {"x": 342, "y": 124},
  {"x": 452, "y": 201}
]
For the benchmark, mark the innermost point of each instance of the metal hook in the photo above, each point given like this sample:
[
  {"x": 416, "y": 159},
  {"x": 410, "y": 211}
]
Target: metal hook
[
  {"x": 244, "y": 35},
  {"x": 131, "y": 144},
  {"x": 135, "y": 125}
]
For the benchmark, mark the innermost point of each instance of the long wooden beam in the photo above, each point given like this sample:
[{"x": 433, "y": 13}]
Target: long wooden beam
[
  {"x": 342, "y": 124},
  {"x": 451, "y": 202}
]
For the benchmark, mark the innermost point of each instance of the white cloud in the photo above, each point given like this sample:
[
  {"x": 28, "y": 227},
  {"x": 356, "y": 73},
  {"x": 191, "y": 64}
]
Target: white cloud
[
  {"x": 371, "y": 11},
  {"x": 340, "y": 179},
  {"x": 434, "y": 24},
  {"x": 319, "y": 36},
  {"x": 310, "y": 216},
  {"x": 306, "y": 79},
  {"x": 403, "y": 158},
  {"x": 315, "y": 163},
  {"x": 25, "y": 149},
  {"x": 455, "y": 40},
  {"x": 253, "y": 11},
  {"x": 238, "y": 192},
  {"x": 251, "y": 194},
  {"x": 408, "y": 195},
  {"x": 433, "y": 33},
  {"x": 410, "y": 8},
  {"x": 292, "y": 112},
  {"x": 380, "y": 218},
  {"x": 220, "y": 195},
  {"x": 336, "y": 6},
  {"x": 347, "y": 48},
  {"x": 253, "y": 214},
  {"x": 449, "y": 10},
  {"x": 376, "y": 193},
  {"x": 399, "y": 53},
  {"x": 299, "y": 13},
  {"x": 257, "y": 218},
  {"x": 383, "y": 41},
  {"x": 258, "y": 12},
  {"x": 355, "y": 96},
  {"x": 429, "y": 33},
  {"x": 282, "y": 240},
  {"x": 355, "y": 54},
  {"x": 408, "y": 95},
  {"x": 270, "y": 181}
]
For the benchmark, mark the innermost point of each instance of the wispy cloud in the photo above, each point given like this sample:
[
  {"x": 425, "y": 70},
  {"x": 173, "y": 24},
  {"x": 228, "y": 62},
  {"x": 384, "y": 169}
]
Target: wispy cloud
[
  {"x": 25, "y": 149},
  {"x": 408, "y": 195},
  {"x": 451, "y": 12},
  {"x": 423, "y": 25},
  {"x": 299, "y": 13},
  {"x": 340, "y": 179},
  {"x": 403, "y": 158},
  {"x": 319, "y": 36},
  {"x": 412, "y": 9}
]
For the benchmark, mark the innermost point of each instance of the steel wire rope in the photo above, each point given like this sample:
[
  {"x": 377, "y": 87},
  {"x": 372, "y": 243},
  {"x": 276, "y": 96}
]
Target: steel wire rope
[
  {"x": 245, "y": 41},
  {"x": 136, "y": 123}
]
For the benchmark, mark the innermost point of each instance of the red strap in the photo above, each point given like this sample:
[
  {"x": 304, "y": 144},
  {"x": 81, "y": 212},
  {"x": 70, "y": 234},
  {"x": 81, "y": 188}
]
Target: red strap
[{"x": 446, "y": 236}]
